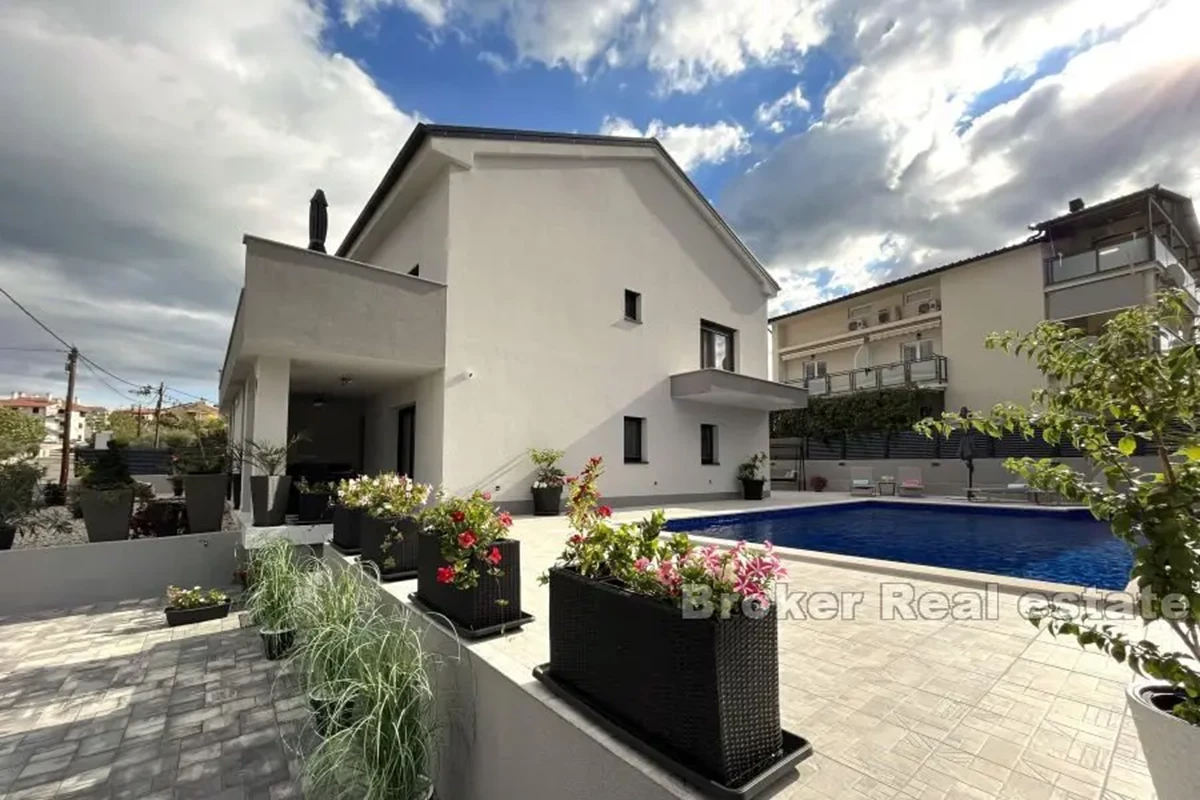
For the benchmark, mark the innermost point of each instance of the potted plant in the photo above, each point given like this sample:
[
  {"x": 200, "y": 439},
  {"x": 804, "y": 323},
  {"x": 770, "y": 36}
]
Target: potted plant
[
  {"x": 18, "y": 498},
  {"x": 313, "y": 505},
  {"x": 750, "y": 473},
  {"x": 348, "y": 511},
  {"x": 274, "y": 595},
  {"x": 388, "y": 529},
  {"x": 386, "y": 749},
  {"x": 106, "y": 497},
  {"x": 818, "y": 483},
  {"x": 203, "y": 472},
  {"x": 336, "y": 608},
  {"x": 269, "y": 491},
  {"x": 547, "y": 481},
  {"x": 467, "y": 568},
  {"x": 672, "y": 644},
  {"x": 176, "y": 467},
  {"x": 189, "y": 606},
  {"x": 157, "y": 518},
  {"x": 1132, "y": 389}
]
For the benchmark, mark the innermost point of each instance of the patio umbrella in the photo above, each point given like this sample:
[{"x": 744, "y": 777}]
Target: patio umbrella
[
  {"x": 966, "y": 452},
  {"x": 318, "y": 222}
]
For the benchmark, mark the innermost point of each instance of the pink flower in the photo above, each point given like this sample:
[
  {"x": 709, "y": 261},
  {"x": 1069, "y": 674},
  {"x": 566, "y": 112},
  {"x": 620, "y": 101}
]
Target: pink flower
[
  {"x": 505, "y": 519},
  {"x": 604, "y": 511},
  {"x": 642, "y": 564},
  {"x": 487, "y": 495},
  {"x": 466, "y": 540},
  {"x": 493, "y": 557},
  {"x": 445, "y": 574},
  {"x": 576, "y": 539},
  {"x": 457, "y": 516}
]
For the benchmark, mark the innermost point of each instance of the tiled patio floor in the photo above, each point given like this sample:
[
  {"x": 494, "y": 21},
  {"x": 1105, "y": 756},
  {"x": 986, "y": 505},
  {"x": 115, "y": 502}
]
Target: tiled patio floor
[{"x": 107, "y": 702}]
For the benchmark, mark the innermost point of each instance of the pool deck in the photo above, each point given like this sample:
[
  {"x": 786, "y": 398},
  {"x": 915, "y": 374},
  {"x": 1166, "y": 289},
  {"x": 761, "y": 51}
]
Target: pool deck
[{"x": 896, "y": 709}]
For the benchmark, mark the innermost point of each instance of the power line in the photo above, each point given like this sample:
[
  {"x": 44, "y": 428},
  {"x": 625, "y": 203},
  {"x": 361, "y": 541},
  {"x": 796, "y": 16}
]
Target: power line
[
  {"x": 29, "y": 314},
  {"x": 37, "y": 349},
  {"x": 123, "y": 394}
]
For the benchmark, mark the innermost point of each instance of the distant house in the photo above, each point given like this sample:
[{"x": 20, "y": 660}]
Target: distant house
[{"x": 51, "y": 410}]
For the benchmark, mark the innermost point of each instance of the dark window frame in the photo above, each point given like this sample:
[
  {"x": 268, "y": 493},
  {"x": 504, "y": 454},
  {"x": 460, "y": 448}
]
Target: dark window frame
[
  {"x": 709, "y": 447},
  {"x": 636, "y": 299},
  {"x": 715, "y": 329},
  {"x": 635, "y": 455}
]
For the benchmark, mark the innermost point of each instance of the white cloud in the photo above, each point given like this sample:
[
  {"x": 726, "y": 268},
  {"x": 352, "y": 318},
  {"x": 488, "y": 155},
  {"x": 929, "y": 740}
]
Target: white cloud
[
  {"x": 434, "y": 12},
  {"x": 690, "y": 145},
  {"x": 494, "y": 60},
  {"x": 771, "y": 115},
  {"x": 139, "y": 145}
]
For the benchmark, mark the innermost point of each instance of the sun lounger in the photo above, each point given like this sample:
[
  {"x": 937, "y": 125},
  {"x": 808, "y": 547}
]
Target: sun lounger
[
  {"x": 910, "y": 481},
  {"x": 862, "y": 481}
]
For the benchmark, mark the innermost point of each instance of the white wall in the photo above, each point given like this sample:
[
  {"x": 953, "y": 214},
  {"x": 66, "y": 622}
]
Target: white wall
[
  {"x": 419, "y": 237},
  {"x": 382, "y": 427},
  {"x": 541, "y": 252}
]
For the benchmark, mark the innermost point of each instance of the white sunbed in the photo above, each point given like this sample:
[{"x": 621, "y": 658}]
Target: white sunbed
[
  {"x": 910, "y": 481},
  {"x": 861, "y": 481}
]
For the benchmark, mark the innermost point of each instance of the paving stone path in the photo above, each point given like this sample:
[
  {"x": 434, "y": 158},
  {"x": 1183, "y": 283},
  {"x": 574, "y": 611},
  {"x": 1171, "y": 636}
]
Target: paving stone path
[{"x": 106, "y": 702}]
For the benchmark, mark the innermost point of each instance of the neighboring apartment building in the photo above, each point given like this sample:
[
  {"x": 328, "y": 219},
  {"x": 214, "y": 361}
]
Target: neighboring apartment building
[
  {"x": 928, "y": 329},
  {"x": 51, "y": 410},
  {"x": 503, "y": 290}
]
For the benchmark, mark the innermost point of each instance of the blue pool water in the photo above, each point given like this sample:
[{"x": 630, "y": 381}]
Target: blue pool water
[{"x": 1063, "y": 546}]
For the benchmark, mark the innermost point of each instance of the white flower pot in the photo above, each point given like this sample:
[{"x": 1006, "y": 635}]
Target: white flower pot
[{"x": 1172, "y": 746}]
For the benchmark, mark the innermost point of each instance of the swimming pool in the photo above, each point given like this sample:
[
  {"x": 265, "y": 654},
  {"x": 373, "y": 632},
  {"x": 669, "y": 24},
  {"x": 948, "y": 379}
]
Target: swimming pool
[{"x": 1065, "y": 546}]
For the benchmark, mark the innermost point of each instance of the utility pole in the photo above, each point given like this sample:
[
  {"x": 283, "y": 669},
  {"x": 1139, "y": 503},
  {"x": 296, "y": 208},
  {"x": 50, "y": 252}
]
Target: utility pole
[
  {"x": 139, "y": 420},
  {"x": 64, "y": 468},
  {"x": 158, "y": 413}
]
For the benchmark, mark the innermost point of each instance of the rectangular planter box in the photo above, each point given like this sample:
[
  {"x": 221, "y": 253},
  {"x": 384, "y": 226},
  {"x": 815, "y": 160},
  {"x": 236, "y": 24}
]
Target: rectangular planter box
[
  {"x": 107, "y": 514},
  {"x": 373, "y": 533},
  {"x": 313, "y": 508},
  {"x": 204, "y": 496},
  {"x": 268, "y": 498},
  {"x": 347, "y": 526},
  {"x": 189, "y": 616},
  {"x": 703, "y": 692},
  {"x": 471, "y": 608}
]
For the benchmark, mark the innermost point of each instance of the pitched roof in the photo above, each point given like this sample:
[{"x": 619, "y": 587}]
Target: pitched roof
[
  {"x": 914, "y": 276},
  {"x": 27, "y": 402},
  {"x": 424, "y": 131}
]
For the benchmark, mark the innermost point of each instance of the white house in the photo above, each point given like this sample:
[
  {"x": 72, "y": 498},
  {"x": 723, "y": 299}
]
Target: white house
[
  {"x": 52, "y": 411},
  {"x": 503, "y": 290}
]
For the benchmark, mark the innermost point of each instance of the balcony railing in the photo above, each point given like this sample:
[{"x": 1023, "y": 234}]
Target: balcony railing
[
  {"x": 1091, "y": 262},
  {"x": 925, "y": 372}
]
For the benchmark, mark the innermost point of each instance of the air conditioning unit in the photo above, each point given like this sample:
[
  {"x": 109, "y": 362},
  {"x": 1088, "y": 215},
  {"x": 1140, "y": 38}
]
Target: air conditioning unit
[
  {"x": 885, "y": 315},
  {"x": 857, "y": 324},
  {"x": 925, "y": 308},
  {"x": 935, "y": 305}
]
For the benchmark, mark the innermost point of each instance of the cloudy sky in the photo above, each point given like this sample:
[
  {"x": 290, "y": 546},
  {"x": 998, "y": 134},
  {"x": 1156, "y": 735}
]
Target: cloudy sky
[{"x": 847, "y": 141}]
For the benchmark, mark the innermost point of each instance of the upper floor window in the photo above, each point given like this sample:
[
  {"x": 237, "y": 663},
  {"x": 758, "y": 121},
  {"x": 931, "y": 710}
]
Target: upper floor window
[
  {"x": 415, "y": 271},
  {"x": 860, "y": 311},
  {"x": 814, "y": 369},
  {"x": 716, "y": 346},
  {"x": 918, "y": 296},
  {"x": 920, "y": 350},
  {"x": 633, "y": 306}
]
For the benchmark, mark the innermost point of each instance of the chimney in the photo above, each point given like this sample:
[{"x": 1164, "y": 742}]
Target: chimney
[
  {"x": 1076, "y": 205},
  {"x": 318, "y": 222}
]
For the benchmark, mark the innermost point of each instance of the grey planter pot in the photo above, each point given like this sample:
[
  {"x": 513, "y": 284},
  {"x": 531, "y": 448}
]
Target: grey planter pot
[
  {"x": 269, "y": 496},
  {"x": 204, "y": 496},
  {"x": 107, "y": 514}
]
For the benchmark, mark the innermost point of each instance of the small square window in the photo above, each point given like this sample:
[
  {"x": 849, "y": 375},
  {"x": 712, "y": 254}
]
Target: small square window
[
  {"x": 633, "y": 306},
  {"x": 917, "y": 296},
  {"x": 635, "y": 440},
  {"x": 708, "y": 444}
]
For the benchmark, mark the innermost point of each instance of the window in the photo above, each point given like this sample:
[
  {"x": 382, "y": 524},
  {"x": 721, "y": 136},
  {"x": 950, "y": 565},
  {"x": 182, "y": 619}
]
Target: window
[
  {"x": 635, "y": 432},
  {"x": 708, "y": 444},
  {"x": 415, "y": 271},
  {"x": 918, "y": 296},
  {"x": 814, "y": 369},
  {"x": 633, "y": 306},
  {"x": 860, "y": 311},
  {"x": 920, "y": 350},
  {"x": 716, "y": 346}
]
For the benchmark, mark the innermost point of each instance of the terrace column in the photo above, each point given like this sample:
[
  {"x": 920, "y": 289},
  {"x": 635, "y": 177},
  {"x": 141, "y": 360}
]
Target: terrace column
[{"x": 267, "y": 410}]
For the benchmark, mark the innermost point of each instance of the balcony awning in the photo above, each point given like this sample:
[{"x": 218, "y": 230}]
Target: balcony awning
[{"x": 723, "y": 388}]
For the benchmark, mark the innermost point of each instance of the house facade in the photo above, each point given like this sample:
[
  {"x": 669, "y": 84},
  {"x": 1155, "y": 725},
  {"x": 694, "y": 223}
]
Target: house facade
[
  {"x": 504, "y": 290},
  {"x": 927, "y": 330},
  {"x": 52, "y": 411}
]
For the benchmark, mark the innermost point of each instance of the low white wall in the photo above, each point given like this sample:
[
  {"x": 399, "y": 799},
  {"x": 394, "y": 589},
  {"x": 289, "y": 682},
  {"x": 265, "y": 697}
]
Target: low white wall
[
  {"x": 946, "y": 476},
  {"x": 482, "y": 701},
  {"x": 41, "y": 578}
]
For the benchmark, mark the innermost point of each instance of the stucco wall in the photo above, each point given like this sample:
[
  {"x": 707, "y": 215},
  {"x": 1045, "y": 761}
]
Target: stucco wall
[
  {"x": 1109, "y": 293},
  {"x": 1001, "y": 293},
  {"x": 382, "y": 426},
  {"x": 537, "y": 350},
  {"x": 419, "y": 237}
]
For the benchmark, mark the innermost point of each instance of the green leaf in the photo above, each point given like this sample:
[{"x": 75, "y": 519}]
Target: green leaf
[
  {"x": 1127, "y": 445},
  {"x": 1191, "y": 452}
]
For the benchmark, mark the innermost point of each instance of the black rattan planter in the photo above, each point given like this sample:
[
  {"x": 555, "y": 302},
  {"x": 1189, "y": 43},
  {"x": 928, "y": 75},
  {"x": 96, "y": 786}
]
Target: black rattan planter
[
  {"x": 190, "y": 616},
  {"x": 374, "y": 532},
  {"x": 473, "y": 612},
  {"x": 547, "y": 502},
  {"x": 752, "y": 490},
  {"x": 277, "y": 644},
  {"x": 7, "y": 534},
  {"x": 313, "y": 508},
  {"x": 702, "y": 694},
  {"x": 347, "y": 524}
]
